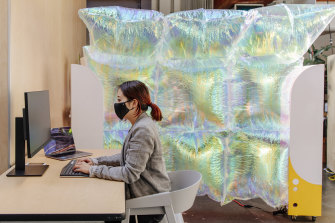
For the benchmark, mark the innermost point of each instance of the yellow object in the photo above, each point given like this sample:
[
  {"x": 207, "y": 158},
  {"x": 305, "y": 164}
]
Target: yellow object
[{"x": 304, "y": 198}]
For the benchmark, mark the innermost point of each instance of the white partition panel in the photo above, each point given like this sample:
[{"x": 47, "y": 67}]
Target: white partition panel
[
  {"x": 87, "y": 115},
  {"x": 307, "y": 124}
]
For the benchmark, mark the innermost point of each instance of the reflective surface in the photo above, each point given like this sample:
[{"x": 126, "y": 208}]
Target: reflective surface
[{"x": 221, "y": 79}]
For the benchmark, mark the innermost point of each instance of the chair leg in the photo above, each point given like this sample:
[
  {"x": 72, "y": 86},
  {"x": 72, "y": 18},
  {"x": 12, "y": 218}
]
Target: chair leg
[
  {"x": 126, "y": 220},
  {"x": 170, "y": 214},
  {"x": 179, "y": 218}
]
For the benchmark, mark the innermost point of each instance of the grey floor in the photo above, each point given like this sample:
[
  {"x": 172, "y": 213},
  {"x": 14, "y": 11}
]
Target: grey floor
[{"x": 206, "y": 210}]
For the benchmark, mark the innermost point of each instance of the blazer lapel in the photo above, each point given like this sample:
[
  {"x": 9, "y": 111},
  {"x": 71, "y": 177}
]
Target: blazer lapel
[
  {"x": 126, "y": 140},
  {"x": 124, "y": 148}
]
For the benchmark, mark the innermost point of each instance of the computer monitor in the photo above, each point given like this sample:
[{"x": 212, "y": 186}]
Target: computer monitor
[
  {"x": 36, "y": 120},
  {"x": 34, "y": 127},
  {"x": 247, "y": 6}
]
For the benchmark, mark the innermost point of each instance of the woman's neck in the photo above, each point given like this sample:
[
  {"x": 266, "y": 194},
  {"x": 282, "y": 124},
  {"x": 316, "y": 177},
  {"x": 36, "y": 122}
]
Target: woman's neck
[{"x": 134, "y": 118}]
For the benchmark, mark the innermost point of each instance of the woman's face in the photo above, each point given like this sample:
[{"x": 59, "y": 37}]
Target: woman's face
[{"x": 131, "y": 105}]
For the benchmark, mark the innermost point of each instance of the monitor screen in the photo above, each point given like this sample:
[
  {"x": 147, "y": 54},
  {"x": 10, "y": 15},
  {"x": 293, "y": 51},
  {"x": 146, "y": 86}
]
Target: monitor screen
[
  {"x": 37, "y": 120},
  {"x": 247, "y": 7}
]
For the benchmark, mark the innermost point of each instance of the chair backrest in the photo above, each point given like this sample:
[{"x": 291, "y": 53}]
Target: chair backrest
[{"x": 184, "y": 188}]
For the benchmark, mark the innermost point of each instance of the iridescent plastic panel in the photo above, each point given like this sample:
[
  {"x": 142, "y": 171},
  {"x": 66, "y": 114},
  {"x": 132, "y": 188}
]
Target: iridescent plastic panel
[{"x": 221, "y": 79}]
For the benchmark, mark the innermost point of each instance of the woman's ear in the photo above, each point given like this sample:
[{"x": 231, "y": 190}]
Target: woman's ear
[{"x": 134, "y": 103}]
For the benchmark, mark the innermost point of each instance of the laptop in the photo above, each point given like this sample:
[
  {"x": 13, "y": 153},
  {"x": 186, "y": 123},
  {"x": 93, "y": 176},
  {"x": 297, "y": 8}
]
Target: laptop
[{"x": 61, "y": 145}]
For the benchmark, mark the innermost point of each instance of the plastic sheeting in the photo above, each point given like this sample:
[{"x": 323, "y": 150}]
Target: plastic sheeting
[{"x": 221, "y": 79}]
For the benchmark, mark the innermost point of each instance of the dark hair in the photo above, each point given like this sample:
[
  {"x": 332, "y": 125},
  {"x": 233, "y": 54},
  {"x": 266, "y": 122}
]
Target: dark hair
[{"x": 137, "y": 90}]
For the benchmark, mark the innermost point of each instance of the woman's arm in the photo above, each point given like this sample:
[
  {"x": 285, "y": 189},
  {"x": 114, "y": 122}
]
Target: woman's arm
[
  {"x": 140, "y": 148},
  {"x": 108, "y": 160}
]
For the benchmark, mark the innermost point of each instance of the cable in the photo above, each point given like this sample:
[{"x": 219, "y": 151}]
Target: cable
[
  {"x": 242, "y": 205},
  {"x": 282, "y": 210}
]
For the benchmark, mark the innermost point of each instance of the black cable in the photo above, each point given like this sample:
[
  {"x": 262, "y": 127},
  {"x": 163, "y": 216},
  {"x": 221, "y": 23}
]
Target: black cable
[{"x": 282, "y": 210}]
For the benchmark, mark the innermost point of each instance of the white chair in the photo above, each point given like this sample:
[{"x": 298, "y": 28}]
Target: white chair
[{"x": 184, "y": 187}]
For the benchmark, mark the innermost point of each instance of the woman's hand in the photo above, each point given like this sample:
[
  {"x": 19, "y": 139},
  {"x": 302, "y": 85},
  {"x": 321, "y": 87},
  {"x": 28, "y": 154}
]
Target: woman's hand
[
  {"x": 82, "y": 167},
  {"x": 85, "y": 160}
]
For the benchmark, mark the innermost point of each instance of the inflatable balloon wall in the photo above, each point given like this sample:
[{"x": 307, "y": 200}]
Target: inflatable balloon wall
[{"x": 220, "y": 78}]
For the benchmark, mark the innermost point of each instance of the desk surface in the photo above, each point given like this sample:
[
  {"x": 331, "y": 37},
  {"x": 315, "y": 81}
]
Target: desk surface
[{"x": 51, "y": 194}]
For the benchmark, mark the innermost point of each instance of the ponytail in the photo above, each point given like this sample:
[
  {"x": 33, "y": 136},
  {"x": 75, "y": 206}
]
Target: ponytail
[{"x": 156, "y": 113}]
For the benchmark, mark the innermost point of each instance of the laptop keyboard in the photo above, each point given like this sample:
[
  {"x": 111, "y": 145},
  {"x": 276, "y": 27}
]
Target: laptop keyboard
[{"x": 68, "y": 172}]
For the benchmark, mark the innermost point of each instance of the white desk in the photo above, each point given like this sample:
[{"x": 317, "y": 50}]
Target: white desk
[{"x": 51, "y": 197}]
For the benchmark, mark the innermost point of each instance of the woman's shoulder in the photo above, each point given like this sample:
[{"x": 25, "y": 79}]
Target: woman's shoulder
[{"x": 145, "y": 123}]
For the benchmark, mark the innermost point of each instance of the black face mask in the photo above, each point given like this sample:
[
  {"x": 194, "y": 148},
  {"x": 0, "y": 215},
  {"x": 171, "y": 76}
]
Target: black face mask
[{"x": 121, "y": 109}]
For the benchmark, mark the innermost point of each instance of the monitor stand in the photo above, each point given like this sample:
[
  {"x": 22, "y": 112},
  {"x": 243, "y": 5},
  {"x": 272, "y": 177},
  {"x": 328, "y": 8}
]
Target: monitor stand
[
  {"x": 29, "y": 170},
  {"x": 21, "y": 169}
]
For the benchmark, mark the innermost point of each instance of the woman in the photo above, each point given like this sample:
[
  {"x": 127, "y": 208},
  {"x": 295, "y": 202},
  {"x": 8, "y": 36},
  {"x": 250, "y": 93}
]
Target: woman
[{"x": 140, "y": 164}]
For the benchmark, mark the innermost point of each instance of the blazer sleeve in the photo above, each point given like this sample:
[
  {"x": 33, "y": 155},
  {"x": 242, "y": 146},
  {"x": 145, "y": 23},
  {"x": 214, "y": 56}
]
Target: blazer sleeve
[
  {"x": 108, "y": 160},
  {"x": 139, "y": 150}
]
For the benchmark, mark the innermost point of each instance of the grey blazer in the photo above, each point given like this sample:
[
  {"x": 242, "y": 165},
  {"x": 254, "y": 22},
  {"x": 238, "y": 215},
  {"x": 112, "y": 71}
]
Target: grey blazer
[{"x": 140, "y": 164}]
